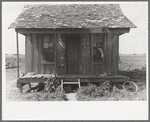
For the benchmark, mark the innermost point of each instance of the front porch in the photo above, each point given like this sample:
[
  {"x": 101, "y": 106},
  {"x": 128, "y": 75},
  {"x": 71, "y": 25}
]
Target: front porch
[{"x": 41, "y": 78}]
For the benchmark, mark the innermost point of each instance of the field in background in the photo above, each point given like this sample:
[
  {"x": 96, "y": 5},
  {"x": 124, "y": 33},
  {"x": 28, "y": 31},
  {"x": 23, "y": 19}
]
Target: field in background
[
  {"x": 131, "y": 62},
  {"x": 11, "y": 66}
]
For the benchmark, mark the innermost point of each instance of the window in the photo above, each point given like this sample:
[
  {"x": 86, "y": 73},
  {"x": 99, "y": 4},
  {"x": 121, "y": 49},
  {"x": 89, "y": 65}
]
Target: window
[
  {"x": 48, "y": 48},
  {"x": 97, "y": 48}
]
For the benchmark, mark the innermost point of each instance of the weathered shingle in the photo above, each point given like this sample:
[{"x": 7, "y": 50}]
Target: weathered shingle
[{"x": 72, "y": 16}]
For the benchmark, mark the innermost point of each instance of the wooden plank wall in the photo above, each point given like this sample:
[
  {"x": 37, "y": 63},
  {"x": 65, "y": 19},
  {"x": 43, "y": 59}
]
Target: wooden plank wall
[
  {"x": 40, "y": 53},
  {"x": 60, "y": 54},
  {"x": 111, "y": 52},
  {"x": 99, "y": 68},
  {"x": 28, "y": 51},
  {"x": 107, "y": 52},
  {"x": 85, "y": 57},
  {"x": 81, "y": 71},
  {"x": 34, "y": 54},
  {"x": 35, "y": 60},
  {"x": 115, "y": 53}
]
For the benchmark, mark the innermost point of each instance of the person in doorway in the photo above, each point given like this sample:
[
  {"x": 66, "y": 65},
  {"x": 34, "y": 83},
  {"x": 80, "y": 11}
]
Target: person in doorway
[{"x": 99, "y": 47}]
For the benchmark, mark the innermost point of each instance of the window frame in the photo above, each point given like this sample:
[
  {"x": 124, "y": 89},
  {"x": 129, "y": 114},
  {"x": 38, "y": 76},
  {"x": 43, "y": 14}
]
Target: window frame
[{"x": 51, "y": 37}]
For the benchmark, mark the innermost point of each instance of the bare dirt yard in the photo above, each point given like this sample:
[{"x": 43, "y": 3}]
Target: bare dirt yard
[{"x": 133, "y": 66}]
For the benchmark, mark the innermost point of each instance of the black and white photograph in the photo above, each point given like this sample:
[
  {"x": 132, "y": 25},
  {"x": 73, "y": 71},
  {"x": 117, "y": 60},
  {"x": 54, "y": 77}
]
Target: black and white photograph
[{"x": 75, "y": 60}]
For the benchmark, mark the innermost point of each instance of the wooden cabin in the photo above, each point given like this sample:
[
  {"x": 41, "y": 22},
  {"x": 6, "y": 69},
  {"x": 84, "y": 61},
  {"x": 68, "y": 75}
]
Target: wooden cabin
[{"x": 72, "y": 39}]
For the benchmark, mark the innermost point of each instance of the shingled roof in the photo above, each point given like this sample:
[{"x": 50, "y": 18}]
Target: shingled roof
[{"x": 72, "y": 16}]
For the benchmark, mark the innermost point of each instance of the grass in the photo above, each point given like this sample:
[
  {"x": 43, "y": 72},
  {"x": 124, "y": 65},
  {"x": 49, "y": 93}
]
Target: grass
[{"x": 129, "y": 65}]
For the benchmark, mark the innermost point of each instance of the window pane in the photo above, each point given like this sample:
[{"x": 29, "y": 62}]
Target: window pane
[
  {"x": 51, "y": 45},
  {"x": 48, "y": 47},
  {"x": 45, "y": 45}
]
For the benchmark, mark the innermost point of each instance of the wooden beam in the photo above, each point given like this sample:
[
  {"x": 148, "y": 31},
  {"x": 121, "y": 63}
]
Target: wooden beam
[
  {"x": 77, "y": 30},
  {"x": 35, "y": 53},
  {"x": 55, "y": 50},
  {"x": 92, "y": 53},
  {"x": 42, "y": 54},
  {"x": 61, "y": 30},
  {"x": 109, "y": 50},
  {"x": 29, "y": 50},
  {"x": 26, "y": 55},
  {"x": 119, "y": 30},
  {"x": 39, "y": 54},
  {"x": 118, "y": 58},
  {"x": 115, "y": 53},
  {"x": 17, "y": 53}
]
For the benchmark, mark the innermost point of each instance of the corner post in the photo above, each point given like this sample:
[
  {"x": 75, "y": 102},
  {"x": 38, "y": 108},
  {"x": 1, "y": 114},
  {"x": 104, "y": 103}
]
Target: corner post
[{"x": 17, "y": 53}]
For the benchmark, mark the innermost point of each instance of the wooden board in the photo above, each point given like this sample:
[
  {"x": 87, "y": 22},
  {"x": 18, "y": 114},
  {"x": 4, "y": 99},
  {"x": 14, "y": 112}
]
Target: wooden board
[
  {"x": 39, "y": 53},
  {"x": 35, "y": 53},
  {"x": 91, "y": 53},
  {"x": 26, "y": 55},
  {"x": 39, "y": 78},
  {"x": 108, "y": 52},
  {"x": 109, "y": 49},
  {"x": 72, "y": 54},
  {"x": 115, "y": 53},
  {"x": 28, "y": 51},
  {"x": 61, "y": 30}
]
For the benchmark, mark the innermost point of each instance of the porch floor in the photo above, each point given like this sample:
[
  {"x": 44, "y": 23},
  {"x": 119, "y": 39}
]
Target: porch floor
[{"x": 41, "y": 78}]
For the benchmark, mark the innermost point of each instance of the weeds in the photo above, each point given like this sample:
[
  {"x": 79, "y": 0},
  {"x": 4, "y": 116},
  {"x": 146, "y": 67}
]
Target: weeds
[
  {"x": 92, "y": 91},
  {"x": 38, "y": 96}
]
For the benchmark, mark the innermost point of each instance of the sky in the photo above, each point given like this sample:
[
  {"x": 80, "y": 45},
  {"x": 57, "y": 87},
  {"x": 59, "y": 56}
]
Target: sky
[{"x": 136, "y": 41}]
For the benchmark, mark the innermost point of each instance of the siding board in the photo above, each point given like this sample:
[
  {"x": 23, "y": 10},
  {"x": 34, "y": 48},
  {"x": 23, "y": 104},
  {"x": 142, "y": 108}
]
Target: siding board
[
  {"x": 26, "y": 54},
  {"x": 29, "y": 51},
  {"x": 105, "y": 52},
  {"x": 109, "y": 42},
  {"x": 115, "y": 54},
  {"x": 42, "y": 66},
  {"x": 39, "y": 53},
  {"x": 35, "y": 53}
]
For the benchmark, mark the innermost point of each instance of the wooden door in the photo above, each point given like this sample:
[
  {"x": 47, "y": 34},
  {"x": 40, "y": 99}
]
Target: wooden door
[{"x": 72, "y": 54}]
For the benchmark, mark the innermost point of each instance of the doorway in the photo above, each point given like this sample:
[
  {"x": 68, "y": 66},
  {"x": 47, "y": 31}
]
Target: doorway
[{"x": 72, "y": 54}]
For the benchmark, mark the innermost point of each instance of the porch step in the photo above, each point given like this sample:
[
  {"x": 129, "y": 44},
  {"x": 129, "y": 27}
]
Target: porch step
[
  {"x": 70, "y": 83},
  {"x": 77, "y": 81}
]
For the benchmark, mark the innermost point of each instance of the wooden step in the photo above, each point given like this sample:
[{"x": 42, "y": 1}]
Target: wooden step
[
  {"x": 63, "y": 82},
  {"x": 70, "y": 82}
]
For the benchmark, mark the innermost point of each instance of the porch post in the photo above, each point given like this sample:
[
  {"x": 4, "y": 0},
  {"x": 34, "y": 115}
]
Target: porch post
[
  {"x": 92, "y": 52},
  {"x": 17, "y": 53}
]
